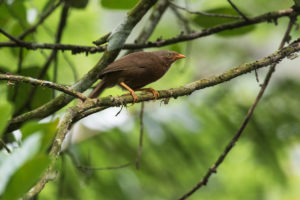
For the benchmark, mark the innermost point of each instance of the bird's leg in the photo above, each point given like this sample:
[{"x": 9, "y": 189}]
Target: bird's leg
[
  {"x": 154, "y": 92},
  {"x": 135, "y": 99}
]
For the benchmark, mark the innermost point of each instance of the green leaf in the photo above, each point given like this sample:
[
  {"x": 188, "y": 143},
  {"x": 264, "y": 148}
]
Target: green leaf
[
  {"x": 208, "y": 21},
  {"x": 42, "y": 95},
  {"x": 47, "y": 131},
  {"x": 77, "y": 3},
  {"x": 237, "y": 32},
  {"x": 117, "y": 4},
  {"x": 6, "y": 113},
  {"x": 17, "y": 10},
  {"x": 25, "y": 177},
  {"x": 10, "y": 163}
]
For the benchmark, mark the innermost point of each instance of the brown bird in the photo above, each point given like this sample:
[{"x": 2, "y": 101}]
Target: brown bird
[{"x": 136, "y": 70}]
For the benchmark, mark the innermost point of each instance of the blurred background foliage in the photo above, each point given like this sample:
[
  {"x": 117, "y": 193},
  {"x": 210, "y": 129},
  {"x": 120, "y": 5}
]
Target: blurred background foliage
[{"x": 182, "y": 138}]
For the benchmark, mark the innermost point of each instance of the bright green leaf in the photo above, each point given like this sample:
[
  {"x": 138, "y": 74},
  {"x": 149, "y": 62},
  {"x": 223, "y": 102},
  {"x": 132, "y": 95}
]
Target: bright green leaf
[
  {"x": 26, "y": 177},
  {"x": 6, "y": 113},
  {"x": 208, "y": 21},
  {"x": 47, "y": 131},
  {"x": 117, "y": 4},
  {"x": 10, "y": 163}
]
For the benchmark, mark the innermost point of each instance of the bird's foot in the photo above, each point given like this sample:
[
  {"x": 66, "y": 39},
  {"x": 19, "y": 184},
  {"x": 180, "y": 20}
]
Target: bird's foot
[
  {"x": 135, "y": 99},
  {"x": 154, "y": 92}
]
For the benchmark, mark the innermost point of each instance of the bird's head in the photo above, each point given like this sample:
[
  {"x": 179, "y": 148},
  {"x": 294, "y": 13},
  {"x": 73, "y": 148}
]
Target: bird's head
[{"x": 168, "y": 56}]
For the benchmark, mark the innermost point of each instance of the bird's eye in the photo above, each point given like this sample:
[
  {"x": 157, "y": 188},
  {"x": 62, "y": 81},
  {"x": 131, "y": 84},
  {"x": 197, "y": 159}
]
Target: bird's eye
[{"x": 169, "y": 55}]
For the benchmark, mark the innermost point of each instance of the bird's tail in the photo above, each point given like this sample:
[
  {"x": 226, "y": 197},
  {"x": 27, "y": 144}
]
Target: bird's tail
[{"x": 98, "y": 89}]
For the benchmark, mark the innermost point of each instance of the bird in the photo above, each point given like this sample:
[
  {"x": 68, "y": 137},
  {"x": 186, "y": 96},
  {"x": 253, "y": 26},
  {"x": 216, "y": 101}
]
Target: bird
[{"x": 136, "y": 70}]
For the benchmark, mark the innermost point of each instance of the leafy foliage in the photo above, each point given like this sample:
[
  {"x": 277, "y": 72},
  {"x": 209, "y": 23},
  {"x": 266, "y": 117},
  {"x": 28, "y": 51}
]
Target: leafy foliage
[{"x": 28, "y": 175}]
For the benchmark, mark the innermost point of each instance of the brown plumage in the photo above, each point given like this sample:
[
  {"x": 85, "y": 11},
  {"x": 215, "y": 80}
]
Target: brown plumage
[{"x": 136, "y": 70}]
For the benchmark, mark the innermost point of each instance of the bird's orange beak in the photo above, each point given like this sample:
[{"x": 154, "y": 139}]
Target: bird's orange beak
[{"x": 179, "y": 56}]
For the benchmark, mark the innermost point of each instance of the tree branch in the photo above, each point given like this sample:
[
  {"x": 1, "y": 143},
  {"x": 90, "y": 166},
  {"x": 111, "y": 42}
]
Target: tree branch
[
  {"x": 213, "y": 168},
  {"x": 271, "y": 16},
  {"x": 12, "y": 38},
  {"x": 43, "y": 83}
]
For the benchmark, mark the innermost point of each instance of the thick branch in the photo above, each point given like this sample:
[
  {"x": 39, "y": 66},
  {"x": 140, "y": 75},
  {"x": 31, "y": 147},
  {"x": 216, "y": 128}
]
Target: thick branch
[
  {"x": 43, "y": 83},
  {"x": 271, "y": 16}
]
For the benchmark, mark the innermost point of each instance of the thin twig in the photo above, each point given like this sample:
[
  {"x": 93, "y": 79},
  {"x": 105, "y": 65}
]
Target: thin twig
[
  {"x": 238, "y": 10},
  {"x": 83, "y": 168},
  {"x": 256, "y": 76},
  {"x": 43, "y": 83},
  {"x": 139, "y": 152},
  {"x": 186, "y": 24},
  {"x": 12, "y": 38},
  {"x": 104, "y": 168},
  {"x": 213, "y": 168},
  {"x": 182, "y": 19},
  {"x": 102, "y": 39},
  {"x": 40, "y": 21},
  {"x": 204, "y": 13},
  {"x": 5, "y": 146}
]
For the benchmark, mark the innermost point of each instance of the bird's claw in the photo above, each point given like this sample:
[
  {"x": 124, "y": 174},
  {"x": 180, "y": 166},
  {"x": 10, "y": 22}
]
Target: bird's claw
[
  {"x": 155, "y": 94},
  {"x": 135, "y": 99}
]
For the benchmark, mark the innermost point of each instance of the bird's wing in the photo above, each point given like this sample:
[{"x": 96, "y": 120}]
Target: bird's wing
[{"x": 130, "y": 62}]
